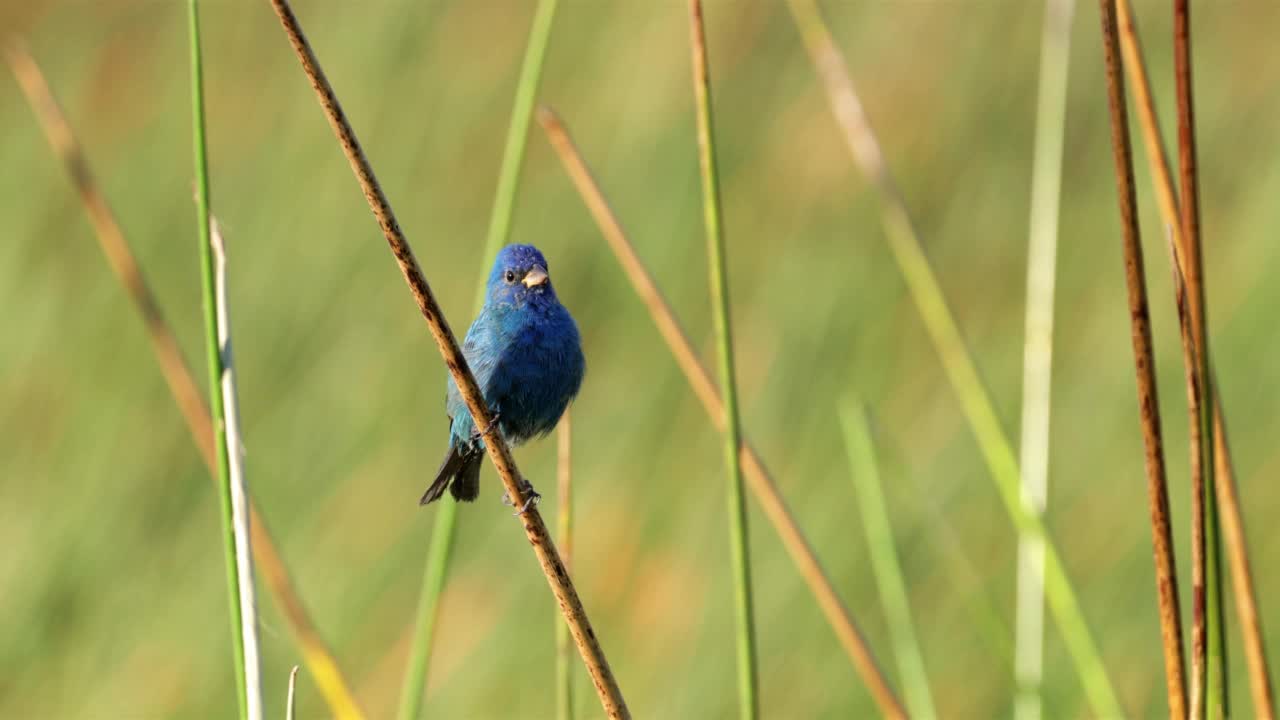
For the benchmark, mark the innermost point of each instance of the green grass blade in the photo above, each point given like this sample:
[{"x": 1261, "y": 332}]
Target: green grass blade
[
  {"x": 564, "y": 508},
  {"x": 214, "y": 354},
  {"x": 504, "y": 199},
  {"x": 884, "y": 560},
  {"x": 922, "y": 284},
  {"x": 441, "y": 550},
  {"x": 415, "y": 678},
  {"x": 747, "y": 684},
  {"x": 1042, "y": 250}
]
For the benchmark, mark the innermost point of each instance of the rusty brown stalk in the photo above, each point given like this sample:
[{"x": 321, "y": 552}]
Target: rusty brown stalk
[
  {"x": 1224, "y": 475},
  {"x": 1144, "y": 366},
  {"x": 535, "y": 529},
  {"x": 318, "y": 658},
  {"x": 1208, "y": 658},
  {"x": 757, "y": 475}
]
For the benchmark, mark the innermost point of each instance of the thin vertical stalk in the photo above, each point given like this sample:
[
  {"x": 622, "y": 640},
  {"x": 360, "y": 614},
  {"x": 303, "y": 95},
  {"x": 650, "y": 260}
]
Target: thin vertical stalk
[
  {"x": 1208, "y": 663},
  {"x": 440, "y": 552},
  {"x": 214, "y": 354},
  {"x": 564, "y": 507},
  {"x": 748, "y": 695},
  {"x": 504, "y": 199},
  {"x": 289, "y": 710},
  {"x": 239, "y": 483},
  {"x": 704, "y": 387},
  {"x": 913, "y": 263},
  {"x": 1042, "y": 251},
  {"x": 884, "y": 559},
  {"x": 535, "y": 528},
  {"x": 183, "y": 387},
  {"x": 428, "y": 613},
  {"x": 1144, "y": 365},
  {"x": 1224, "y": 476}
]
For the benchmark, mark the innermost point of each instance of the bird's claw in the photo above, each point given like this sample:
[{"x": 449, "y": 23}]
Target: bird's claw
[
  {"x": 493, "y": 425},
  {"x": 531, "y": 497}
]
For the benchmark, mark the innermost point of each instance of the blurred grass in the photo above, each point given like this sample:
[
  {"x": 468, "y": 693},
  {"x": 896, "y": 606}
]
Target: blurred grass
[{"x": 93, "y": 455}]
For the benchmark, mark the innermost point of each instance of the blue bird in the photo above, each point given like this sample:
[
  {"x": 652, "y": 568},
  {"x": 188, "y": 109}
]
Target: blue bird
[{"x": 527, "y": 358}]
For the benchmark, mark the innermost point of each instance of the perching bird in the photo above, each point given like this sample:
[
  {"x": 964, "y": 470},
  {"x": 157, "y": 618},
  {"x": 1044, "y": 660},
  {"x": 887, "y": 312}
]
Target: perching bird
[{"x": 527, "y": 359}]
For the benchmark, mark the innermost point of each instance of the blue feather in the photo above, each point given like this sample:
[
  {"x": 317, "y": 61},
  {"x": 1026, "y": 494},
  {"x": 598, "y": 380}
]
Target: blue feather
[{"x": 526, "y": 355}]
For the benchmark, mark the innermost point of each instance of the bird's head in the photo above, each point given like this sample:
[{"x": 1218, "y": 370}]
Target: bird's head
[{"x": 520, "y": 276}]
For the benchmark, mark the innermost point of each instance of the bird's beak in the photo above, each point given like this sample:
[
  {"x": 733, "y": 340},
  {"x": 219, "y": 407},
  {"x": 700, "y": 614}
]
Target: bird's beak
[{"x": 535, "y": 277}]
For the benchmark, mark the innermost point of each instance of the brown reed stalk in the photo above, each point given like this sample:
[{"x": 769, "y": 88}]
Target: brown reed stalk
[
  {"x": 1207, "y": 618},
  {"x": 535, "y": 529},
  {"x": 1224, "y": 475},
  {"x": 319, "y": 660},
  {"x": 761, "y": 482},
  {"x": 1144, "y": 366}
]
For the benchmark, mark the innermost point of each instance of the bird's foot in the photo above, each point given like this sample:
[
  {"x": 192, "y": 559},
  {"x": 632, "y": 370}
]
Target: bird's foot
[
  {"x": 531, "y": 497},
  {"x": 493, "y": 426}
]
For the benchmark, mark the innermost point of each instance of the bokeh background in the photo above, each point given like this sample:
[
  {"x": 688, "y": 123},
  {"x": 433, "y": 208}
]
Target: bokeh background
[{"x": 112, "y": 595}]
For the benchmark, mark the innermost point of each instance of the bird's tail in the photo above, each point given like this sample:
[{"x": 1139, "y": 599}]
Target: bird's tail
[{"x": 462, "y": 467}]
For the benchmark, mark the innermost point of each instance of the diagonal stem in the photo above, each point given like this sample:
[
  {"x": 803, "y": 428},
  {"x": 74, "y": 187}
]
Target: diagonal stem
[
  {"x": 440, "y": 551},
  {"x": 499, "y": 453},
  {"x": 761, "y": 482},
  {"x": 186, "y": 393}
]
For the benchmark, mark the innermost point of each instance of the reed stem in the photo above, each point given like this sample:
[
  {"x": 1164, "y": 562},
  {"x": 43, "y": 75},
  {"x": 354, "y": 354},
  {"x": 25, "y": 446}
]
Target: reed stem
[
  {"x": 440, "y": 552},
  {"x": 748, "y": 694},
  {"x": 1232, "y": 518},
  {"x": 214, "y": 357},
  {"x": 922, "y": 283},
  {"x": 564, "y": 508},
  {"x": 1042, "y": 252},
  {"x": 884, "y": 559},
  {"x": 704, "y": 387},
  {"x": 183, "y": 387},
  {"x": 499, "y": 453},
  {"x": 1144, "y": 367},
  {"x": 1208, "y": 658}
]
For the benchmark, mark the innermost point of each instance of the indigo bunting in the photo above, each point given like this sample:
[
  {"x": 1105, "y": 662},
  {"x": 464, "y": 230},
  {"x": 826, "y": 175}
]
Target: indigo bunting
[{"x": 526, "y": 355}]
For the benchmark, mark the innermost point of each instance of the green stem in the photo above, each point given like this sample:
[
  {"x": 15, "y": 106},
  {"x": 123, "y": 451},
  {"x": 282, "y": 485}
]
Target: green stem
[
  {"x": 415, "y": 678},
  {"x": 564, "y": 506},
  {"x": 716, "y": 252},
  {"x": 975, "y": 402},
  {"x": 441, "y": 549},
  {"x": 504, "y": 198},
  {"x": 1042, "y": 250},
  {"x": 214, "y": 353},
  {"x": 884, "y": 560}
]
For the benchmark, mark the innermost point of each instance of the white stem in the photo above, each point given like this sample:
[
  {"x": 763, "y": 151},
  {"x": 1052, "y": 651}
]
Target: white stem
[
  {"x": 293, "y": 682},
  {"x": 1038, "y": 350},
  {"x": 239, "y": 486}
]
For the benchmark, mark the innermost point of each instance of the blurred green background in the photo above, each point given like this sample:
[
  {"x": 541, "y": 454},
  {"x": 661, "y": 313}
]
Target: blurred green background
[{"x": 111, "y": 575}]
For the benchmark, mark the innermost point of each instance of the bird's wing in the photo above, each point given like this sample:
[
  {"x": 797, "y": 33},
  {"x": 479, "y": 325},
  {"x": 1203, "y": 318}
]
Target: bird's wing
[{"x": 480, "y": 349}]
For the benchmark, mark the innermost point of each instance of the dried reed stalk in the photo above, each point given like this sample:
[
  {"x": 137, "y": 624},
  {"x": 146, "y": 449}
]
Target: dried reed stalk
[
  {"x": 1144, "y": 366},
  {"x": 316, "y": 655},
  {"x": 535, "y": 529},
  {"x": 761, "y": 483},
  {"x": 1224, "y": 476}
]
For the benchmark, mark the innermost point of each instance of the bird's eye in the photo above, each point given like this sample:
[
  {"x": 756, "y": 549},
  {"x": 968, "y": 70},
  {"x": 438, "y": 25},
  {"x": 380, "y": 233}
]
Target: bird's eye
[{"x": 510, "y": 276}]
